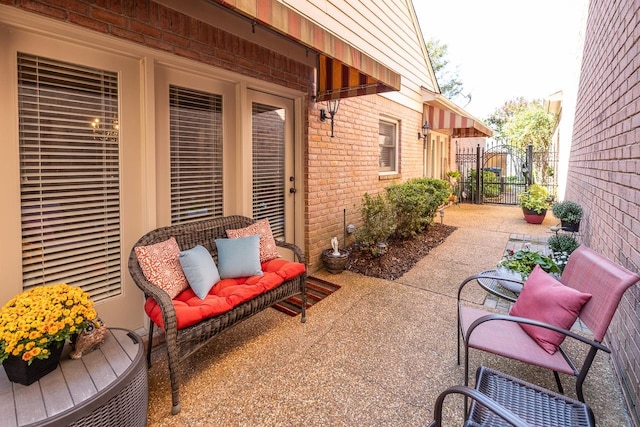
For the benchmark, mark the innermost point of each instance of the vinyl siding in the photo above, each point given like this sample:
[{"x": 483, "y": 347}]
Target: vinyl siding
[{"x": 386, "y": 30}]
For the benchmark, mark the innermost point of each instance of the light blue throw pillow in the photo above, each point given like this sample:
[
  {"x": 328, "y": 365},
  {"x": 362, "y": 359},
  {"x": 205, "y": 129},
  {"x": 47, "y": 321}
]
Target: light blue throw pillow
[
  {"x": 199, "y": 269},
  {"x": 239, "y": 257}
]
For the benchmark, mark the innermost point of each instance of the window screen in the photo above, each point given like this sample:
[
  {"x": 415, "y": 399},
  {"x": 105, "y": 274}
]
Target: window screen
[
  {"x": 69, "y": 175},
  {"x": 196, "y": 155}
]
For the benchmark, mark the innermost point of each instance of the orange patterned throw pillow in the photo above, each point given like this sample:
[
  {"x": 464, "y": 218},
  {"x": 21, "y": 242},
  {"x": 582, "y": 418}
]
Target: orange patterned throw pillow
[
  {"x": 161, "y": 267},
  {"x": 268, "y": 248}
]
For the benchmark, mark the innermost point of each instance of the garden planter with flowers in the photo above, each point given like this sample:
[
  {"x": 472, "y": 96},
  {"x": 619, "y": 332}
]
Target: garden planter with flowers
[
  {"x": 517, "y": 265},
  {"x": 34, "y": 326}
]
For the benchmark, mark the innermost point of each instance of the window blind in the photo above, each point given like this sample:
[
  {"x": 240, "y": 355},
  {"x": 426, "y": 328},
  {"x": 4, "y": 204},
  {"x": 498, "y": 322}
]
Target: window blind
[
  {"x": 69, "y": 175},
  {"x": 268, "y": 166},
  {"x": 196, "y": 155},
  {"x": 387, "y": 142}
]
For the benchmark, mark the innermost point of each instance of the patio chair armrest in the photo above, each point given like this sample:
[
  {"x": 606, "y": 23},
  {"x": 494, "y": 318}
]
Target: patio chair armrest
[
  {"x": 533, "y": 322},
  {"x": 152, "y": 291},
  {"x": 476, "y": 395},
  {"x": 293, "y": 248}
]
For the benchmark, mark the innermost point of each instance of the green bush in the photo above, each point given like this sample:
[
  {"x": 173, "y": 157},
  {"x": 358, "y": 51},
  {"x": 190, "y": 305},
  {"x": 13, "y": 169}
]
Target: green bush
[
  {"x": 379, "y": 222},
  {"x": 415, "y": 203},
  {"x": 491, "y": 187}
]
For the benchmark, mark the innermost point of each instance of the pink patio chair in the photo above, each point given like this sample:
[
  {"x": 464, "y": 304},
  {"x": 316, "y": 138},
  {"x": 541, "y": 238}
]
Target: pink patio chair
[{"x": 586, "y": 272}]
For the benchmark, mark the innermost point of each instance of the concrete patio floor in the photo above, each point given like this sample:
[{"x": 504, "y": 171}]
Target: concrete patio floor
[{"x": 374, "y": 353}]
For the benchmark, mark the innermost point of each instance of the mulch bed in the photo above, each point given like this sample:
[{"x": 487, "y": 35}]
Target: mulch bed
[{"x": 401, "y": 255}]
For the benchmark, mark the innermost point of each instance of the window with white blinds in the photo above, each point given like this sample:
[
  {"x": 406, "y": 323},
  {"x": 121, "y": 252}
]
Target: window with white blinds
[
  {"x": 69, "y": 175},
  {"x": 387, "y": 142},
  {"x": 196, "y": 155},
  {"x": 268, "y": 124}
]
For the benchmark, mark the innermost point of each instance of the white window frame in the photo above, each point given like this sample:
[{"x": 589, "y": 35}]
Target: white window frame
[{"x": 395, "y": 169}]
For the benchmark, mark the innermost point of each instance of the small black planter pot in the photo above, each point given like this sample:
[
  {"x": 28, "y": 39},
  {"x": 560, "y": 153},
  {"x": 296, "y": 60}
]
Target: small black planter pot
[{"x": 573, "y": 227}]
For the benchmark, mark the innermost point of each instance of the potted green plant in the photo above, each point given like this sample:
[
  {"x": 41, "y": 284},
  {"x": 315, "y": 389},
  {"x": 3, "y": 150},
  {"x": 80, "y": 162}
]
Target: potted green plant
[
  {"x": 561, "y": 246},
  {"x": 569, "y": 213},
  {"x": 562, "y": 243},
  {"x": 534, "y": 203}
]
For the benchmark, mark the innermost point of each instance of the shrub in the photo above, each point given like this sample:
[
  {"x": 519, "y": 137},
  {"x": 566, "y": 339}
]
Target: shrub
[
  {"x": 491, "y": 187},
  {"x": 379, "y": 222},
  {"x": 415, "y": 203}
]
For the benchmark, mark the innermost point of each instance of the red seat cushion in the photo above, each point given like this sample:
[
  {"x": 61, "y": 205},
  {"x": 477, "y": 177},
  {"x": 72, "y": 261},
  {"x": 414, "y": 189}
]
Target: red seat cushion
[{"x": 226, "y": 294}]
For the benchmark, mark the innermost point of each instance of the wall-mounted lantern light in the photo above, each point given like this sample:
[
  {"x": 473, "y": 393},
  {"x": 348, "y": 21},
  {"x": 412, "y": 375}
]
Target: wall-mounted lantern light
[
  {"x": 425, "y": 131},
  {"x": 332, "y": 109}
]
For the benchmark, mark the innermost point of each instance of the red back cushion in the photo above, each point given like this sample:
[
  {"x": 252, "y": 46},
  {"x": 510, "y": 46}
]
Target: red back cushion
[{"x": 545, "y": 299}]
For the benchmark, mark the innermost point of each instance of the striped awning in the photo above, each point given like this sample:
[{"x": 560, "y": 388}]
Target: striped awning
[
  {"x": 343, "y": 70},
  {"x": 460, "y": 125},
  {"x": 338, "y": 80}
]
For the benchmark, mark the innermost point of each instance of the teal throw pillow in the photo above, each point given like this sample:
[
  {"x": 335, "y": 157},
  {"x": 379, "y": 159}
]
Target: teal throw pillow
[
  {"x": 239, "y": 257},
  {"x": 199, "y": 269}
]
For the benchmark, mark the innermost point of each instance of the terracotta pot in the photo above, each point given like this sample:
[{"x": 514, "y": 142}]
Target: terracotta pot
[{"x": 532, "y": 217}]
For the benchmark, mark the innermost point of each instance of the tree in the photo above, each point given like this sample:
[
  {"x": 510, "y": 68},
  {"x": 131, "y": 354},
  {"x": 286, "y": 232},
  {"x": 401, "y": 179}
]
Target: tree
[
  {"x": 499, "y": 118},
  {"x": 531, "y": 125},
  {"x": 448, "y": 80}
]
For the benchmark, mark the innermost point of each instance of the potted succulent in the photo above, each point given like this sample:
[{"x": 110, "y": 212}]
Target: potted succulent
[
  {"x": 569, "y": 213},
  {"x": 534, "y": 203},
  {"x": 519, "y": 264}
]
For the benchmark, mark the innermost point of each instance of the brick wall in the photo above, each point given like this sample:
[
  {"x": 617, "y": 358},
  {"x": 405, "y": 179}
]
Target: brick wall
[
  {"x": 604, "y": 166},
  {"x": 341, "y": 169},
  {"x": 156, "y": 26}
]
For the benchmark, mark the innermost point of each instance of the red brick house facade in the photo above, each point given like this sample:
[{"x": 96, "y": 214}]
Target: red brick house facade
[{"x": 604, "y": 165}]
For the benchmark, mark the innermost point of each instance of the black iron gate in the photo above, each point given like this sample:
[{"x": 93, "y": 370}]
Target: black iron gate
[{"x": 499, "y": 173}]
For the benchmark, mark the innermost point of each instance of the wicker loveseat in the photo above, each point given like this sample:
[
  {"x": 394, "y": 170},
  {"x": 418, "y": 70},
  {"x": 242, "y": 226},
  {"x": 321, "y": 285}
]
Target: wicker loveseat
[{"x": 181, "y": 342}]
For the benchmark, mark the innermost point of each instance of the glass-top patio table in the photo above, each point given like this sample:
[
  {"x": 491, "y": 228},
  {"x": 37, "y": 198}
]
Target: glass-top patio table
[{"x": 492, "y": 286}]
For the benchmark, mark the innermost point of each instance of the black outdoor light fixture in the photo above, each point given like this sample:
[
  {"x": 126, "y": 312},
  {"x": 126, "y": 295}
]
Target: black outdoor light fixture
[
  {"x": 425, "y": 131},
  {"x": 332, "y": 109}
]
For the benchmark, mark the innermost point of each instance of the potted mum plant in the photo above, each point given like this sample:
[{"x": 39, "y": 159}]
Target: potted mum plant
[
  {"x": 569, "y": 213},
  {"x": 517, "y": 265},
  {"x": 534, "y": 203},
  {"x": 34, "y": 326}
]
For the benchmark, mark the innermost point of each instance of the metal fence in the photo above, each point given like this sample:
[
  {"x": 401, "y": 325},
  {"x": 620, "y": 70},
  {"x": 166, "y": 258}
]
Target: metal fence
[{"x": 498, "y": 174}]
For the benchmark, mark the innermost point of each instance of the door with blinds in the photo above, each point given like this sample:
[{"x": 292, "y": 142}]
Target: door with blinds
[
  {"x": 274, "y": 184},
  {"x": 77, "y": 219}
]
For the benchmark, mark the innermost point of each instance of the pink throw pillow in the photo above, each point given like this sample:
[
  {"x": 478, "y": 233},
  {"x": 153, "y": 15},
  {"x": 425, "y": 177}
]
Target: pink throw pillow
[
  {"x": 268, "y": 248},
  {"x": 160, "y": 265},
  {"x": 545, "y": 299}
]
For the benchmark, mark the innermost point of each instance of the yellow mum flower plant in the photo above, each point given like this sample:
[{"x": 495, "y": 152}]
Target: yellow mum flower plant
[{"x": 36, "y": 319}]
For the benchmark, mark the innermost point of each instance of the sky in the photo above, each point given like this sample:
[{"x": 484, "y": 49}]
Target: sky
[{"x": 504, "y": 49}]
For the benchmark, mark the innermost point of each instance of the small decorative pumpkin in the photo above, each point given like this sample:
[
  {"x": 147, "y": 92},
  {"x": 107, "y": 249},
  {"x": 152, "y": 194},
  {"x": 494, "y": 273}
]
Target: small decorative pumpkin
[{"x": 89, "y": 339}]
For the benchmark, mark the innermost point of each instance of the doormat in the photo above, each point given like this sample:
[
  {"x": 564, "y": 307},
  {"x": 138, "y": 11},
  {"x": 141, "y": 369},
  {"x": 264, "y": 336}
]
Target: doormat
[{"x": 317, "y": 289}]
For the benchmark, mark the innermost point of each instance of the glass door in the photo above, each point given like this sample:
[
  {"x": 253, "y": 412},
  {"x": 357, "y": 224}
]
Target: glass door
[{"x": 273, "y": 180}]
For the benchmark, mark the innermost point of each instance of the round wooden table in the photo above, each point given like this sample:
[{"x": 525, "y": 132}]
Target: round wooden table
[{"x": 107, "y": 387}]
